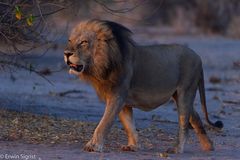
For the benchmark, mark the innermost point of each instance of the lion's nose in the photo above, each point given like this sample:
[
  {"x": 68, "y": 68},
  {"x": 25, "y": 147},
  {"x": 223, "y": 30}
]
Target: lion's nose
[{"x": 68, "y": 53}]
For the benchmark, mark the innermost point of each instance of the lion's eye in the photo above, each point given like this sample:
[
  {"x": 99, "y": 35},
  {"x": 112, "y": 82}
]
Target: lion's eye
[{"x": 82, "y": 43}]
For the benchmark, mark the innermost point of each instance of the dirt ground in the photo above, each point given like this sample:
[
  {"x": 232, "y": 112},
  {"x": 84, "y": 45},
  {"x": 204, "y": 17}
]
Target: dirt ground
[{"x": 71, "y": 100}]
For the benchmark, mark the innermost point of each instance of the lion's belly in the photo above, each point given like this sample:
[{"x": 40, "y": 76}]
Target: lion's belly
[
  {"x": 155, "y": 78},
  {"x": 147, "y": 101}
]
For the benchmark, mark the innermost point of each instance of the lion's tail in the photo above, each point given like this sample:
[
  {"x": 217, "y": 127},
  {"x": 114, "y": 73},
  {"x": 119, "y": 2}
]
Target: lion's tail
[{"x": 217, "y": 124}]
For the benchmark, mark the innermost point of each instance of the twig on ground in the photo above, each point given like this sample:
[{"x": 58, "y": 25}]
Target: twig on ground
[{"x": 61, "y": 94}]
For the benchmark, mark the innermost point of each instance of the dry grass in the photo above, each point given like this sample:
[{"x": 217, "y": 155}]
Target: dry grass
[
  {"x": 41, "y": 129},
  {"x": 36, "y": 129}
]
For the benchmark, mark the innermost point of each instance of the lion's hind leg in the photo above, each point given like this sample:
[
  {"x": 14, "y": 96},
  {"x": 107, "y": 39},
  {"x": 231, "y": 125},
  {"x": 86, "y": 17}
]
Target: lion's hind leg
[
  {"x": 200, "y": 131},
  {"x": 126, "y": 118},
  {"x": 184, "y": 100},
  {"x": 183, "y": 120}
]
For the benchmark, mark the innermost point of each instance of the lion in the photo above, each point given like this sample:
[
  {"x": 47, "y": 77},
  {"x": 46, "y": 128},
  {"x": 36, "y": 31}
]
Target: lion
[{"x": 126, "y": 75}]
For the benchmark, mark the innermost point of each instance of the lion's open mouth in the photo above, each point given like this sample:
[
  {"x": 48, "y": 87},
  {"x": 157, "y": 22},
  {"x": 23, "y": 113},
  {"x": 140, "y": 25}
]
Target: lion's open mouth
[{"x": 76, "y": 67}]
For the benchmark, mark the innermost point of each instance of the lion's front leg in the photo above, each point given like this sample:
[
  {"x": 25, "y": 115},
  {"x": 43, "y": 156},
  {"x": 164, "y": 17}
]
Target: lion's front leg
[
  {"x": 126, "y": 118},
  {"x": 113, "y": 107}
]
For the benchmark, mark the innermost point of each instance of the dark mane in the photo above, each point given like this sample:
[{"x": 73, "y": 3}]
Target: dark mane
[
  {"x": 113, "y": 51},
  {"x": 121, "y": 34}
]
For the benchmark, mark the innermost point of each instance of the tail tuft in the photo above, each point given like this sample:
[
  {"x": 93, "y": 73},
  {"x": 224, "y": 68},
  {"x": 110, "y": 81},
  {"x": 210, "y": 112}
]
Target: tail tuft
[{"x": 218, "y": 124}]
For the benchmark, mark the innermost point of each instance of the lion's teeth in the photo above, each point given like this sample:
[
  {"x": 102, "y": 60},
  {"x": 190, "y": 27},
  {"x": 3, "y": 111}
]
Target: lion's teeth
[
  {"x": 71, "y": 71},
  {"x": 74, "y": 65}
]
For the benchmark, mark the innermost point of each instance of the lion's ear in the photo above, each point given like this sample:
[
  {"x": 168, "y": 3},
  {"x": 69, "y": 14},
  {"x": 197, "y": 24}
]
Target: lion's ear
[{"x": 106, "y": 35}]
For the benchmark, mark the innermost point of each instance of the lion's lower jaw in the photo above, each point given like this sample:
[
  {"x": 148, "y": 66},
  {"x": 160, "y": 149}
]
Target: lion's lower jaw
[{"x": 71, "y": 71}]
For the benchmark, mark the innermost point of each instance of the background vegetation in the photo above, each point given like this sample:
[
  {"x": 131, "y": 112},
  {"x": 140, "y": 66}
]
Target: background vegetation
[{"x": 26, "y": 25}]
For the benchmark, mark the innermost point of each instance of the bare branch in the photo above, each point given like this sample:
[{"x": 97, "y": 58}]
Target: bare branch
[
  {"x": 29, "y": 68},
  {"x": 123, "y": 10},
  {"x": 29, "y": 29}
]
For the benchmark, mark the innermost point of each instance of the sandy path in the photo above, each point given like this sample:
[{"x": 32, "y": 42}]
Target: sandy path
[{"x": 28, "y": 92}]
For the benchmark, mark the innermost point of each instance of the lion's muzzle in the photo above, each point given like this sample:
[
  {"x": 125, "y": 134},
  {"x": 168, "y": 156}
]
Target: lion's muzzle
[{"x": 74, "y": 67}]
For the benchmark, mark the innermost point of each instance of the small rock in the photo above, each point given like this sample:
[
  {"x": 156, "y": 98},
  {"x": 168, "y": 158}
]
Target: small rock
[
  {"x": 163, "y": 155},
  {"x": 236, "y": 64},
  {"x": 214, "y": 80}
]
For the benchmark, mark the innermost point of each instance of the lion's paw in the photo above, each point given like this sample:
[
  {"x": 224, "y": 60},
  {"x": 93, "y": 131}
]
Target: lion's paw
[
  {"x": 131, "y": 148},
  {"x": 92, "y": 147}
]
